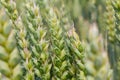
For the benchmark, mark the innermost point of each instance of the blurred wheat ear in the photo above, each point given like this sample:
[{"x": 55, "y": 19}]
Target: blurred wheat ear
[{"x": 9, "y": 56}]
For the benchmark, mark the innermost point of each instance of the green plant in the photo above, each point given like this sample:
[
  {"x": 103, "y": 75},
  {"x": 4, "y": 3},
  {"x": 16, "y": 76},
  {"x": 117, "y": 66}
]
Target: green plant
[{"x": 47, "y": 50}]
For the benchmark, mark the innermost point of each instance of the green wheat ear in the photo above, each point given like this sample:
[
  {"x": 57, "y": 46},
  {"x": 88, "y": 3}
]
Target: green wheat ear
[
  {"x": 9, "y": 56},
  {"x": 117, "y": 18},
  {"x": 77, "y": 52},
  {"x": 110, "y": 20},
  {"x": 116, "y": 44},
  {"x": 113, "y": 26}
]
